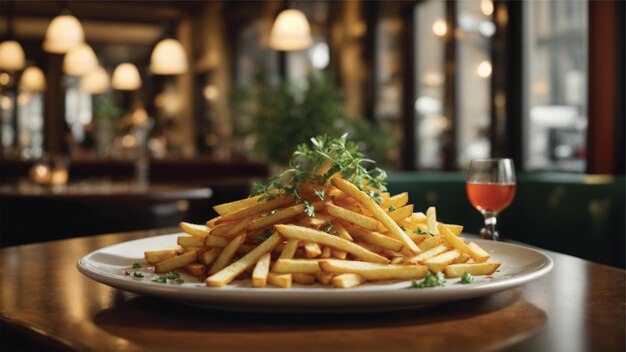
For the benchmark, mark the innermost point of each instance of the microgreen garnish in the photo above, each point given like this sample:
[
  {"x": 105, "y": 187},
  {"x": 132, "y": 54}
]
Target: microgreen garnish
[
  {"x": 430, "y": 281},
  {"x": 261, "y": 238},
  {"x": 136, "y": 265},
  {"x": 467, "y": 278},
  {"x": 320, "y": 193},
  {"x": 422, "y": 232},
  {"x": 326, "y": 228},
  {"x": 317, "y": 164},
  {"x": 309, "y": 209},
  {"x": 171, "y": 275},
  {"x": 137, "y": 275},
  {"x": 391, "y": 208}
]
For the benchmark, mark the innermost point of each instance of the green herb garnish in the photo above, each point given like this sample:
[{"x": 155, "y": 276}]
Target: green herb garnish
[
  {"x": 137, "y": 275},
  {"x": 180, "y": 281},
  {"x": 403, "y": 228},
  {"x": 136, "y": 265},
  {"x": 326, "y": 228},
  {"x": 171, "y": 275},
  {"x": 261, "y": 238},
  {"x": 320, "y": 193},
  {"x": 309, "y": 209},
  {"x": 422, "y": 232},
  {"x": 430, "y": 281},
  {"x": 160, "y": 280},
  {"x": 308, "y": 164},
  {"x": 374, "y": 195},
  {"x": 391, "y": 208},
  {"x": 467, "y": 278},
  {"x": 271, "y": 212}
]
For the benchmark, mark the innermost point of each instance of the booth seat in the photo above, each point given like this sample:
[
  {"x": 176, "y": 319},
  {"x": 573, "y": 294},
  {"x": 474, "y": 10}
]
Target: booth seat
[{"x": 580, "y": 215}]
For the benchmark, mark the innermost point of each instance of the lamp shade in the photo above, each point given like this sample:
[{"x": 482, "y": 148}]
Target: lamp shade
[
  {"x": 33, "y": 79},
  {"x": 168, "y": 58},
  {"x": 96, "y": 81},
  {"x": 80, "y": 60},
  {"x": 63, "y": 34},
  {"x": 11, "y": 56},
  {"x": 291, "y": 31},
  {"x": 126, "y": 77}
]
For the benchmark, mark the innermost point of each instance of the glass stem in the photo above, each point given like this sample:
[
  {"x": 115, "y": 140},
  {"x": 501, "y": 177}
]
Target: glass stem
[{"x": 489, "y": 232}]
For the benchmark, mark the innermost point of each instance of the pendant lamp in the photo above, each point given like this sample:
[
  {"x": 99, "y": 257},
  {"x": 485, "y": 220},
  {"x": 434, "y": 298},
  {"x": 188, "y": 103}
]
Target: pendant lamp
[
  {"x": 80, "y": 60},
  {"x": 168, "y": 58},
  {"x": 33, "y": 79},
  {"x": 95, "y": 82},
  {"x": 126, "y": 77},
  {"x": 11, "y": 56},
  {"x": 64, "y": 33},
  {"x": 291, "y": 31}
]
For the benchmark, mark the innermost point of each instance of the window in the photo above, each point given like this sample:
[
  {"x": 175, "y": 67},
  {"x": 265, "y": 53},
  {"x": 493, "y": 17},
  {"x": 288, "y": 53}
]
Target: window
[{"x": 555, "y": 47}]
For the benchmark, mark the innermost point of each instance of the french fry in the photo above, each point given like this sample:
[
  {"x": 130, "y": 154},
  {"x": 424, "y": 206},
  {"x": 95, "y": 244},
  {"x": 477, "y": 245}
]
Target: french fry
[
  {"x": 261, "y": 270},
  {"x": 190, "y": 241},
  {"x": 431, "y": 220},
  {"x": 303, "y": 279},
  {"x": 194, "y": 229},
  {"x": 209, "y": 256},
  {"x": 351, "y": 216},
  {"x": 342, "y": 233},
  {"x": 401, "y": 213},
  {"x": 231, "y": 207},
  {"x": 452, "y": 239},
  {"x": 456, "y": 229},
  {"x": 230, "y": 272},
  {"x": 429, "y": 243},
  {"x": 438, "y": 263},
  {"x": 373, "y": 271},
  {"x": 312, "y": 250},
  {"x": 195, "y": 269},
  {"x": 282, "y": 215},
  {"x": 257, "y": 209},
  {"x": 175, "y": 262},
  {"x": 154, "y": 257},
  {"x": 231, "y": 229},
  {"x": 289, "y": 250},
  {"x": 433, "y": 252},
  {"x": 303, "y": 266},
  {"x": 378, "y": 213},
  {"x": 347, "y": 280},
  {"x": 397, "y": 201},
  {"x": 375, "y": 238},
  {"x": 215, "y": 241},
  {"x": 280, "y": 280},
  {"x": 326, "y": 252},
  {"x": 463, "y": 258},
  {"x": 324, "y": 278},
  {"x": 477, "y": 253},
  {"x": 227, "y": 254},
  {"x": 306, "y": 234},
  {"x": 457, "y": 270},
  {"x": 211, "y": 223}
]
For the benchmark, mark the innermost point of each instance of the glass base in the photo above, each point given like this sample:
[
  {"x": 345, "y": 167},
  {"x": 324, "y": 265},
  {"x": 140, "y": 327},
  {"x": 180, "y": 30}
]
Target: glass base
[{"x": 489, "y": 234}]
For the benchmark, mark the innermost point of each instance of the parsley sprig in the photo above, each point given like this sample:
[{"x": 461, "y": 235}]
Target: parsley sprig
[
  {"x": 171, "y": 275},
  {"x": 422, "y": 232},
  {"x": 308, "y": 165},
  {"x": 430, "y": 281}
]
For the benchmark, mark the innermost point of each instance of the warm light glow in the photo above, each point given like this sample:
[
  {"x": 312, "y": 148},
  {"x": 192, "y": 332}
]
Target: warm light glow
[
  {"x": 291, "y": 31},
  {"x": 41, "y": 173},
  {"x": 211, "y": 93},
  {"x": 168, "y": 58},
  {"x": 126, "y": 77},
  {"x": 11, "y": 56},
  {"x": 96, "y": 81},
  {"x": 80, "y": 60},
  {"x": 23, "y": 98},
  {"x": 320, "y": 55},
  {"x": 440, "y": 28},
  {"x": 33, "y": 79},
  {"x": 486, "y": 6},
  {"x": 63, "y": 34},
  {"x": 5, "y": 79},
  {"x": 6, "y": 103},
  {"x": 484, "y": 69}
]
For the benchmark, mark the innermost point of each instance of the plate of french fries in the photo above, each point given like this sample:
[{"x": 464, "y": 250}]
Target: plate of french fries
[{"x": 323, "y": 235}]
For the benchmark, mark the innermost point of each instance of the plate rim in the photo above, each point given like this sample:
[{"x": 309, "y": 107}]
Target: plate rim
[{"x": 199, "y": 293}]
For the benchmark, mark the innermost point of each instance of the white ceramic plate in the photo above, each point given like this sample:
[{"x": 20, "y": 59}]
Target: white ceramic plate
[{"x": 109, "y": 266}]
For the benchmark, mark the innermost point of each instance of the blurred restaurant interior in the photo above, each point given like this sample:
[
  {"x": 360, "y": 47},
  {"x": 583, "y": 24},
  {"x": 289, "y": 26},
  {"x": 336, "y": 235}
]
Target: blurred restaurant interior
[{"x": 128, "y": 115}]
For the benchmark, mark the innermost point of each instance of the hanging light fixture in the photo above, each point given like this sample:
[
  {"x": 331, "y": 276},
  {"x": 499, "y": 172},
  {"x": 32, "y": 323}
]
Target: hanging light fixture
[
  {"x": 126, "y": 77},
  {"x": 64, "y": 33},
  {"x": 168, "y": 58},
  {"x": 33, "y": 79},
  {"x": 291, "y": 31},
  {"x": 80, "y": 60},
  {"x": 96, "y": 81},
  {"x": 11, "y": 56}
]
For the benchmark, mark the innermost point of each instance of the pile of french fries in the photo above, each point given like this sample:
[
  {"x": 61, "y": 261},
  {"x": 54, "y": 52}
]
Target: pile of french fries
[{"x": 351, "y": 240}]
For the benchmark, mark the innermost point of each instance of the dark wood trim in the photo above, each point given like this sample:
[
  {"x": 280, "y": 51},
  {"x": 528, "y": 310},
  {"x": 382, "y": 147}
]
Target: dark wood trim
[
  {"x": 620, "y": 89},
  {"x": 408, "y": 91},
  {"x": 55, "y": 127},
  {"x": 450, "y": 99},
  {"x": 507, "y": 83},
  {"x": 603, "y": 85},
  {"x": 370, "y": 60}
]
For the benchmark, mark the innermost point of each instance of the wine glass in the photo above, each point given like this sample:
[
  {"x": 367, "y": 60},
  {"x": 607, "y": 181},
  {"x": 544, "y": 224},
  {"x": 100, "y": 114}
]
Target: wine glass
[{"x": 490, "y": 188}]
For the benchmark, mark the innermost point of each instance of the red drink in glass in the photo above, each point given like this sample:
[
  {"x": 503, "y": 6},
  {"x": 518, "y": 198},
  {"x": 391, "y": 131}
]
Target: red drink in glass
[{"x": 490, "y": 197}]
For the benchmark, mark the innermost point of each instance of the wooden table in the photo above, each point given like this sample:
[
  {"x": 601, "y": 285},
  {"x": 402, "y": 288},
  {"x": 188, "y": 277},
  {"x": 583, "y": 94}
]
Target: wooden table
[{"x": 46, "y": 302}]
